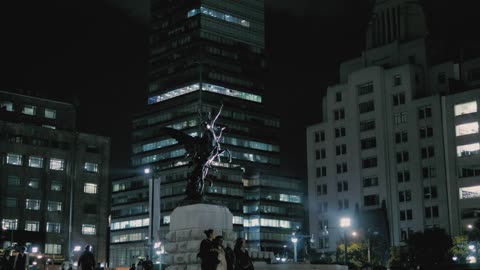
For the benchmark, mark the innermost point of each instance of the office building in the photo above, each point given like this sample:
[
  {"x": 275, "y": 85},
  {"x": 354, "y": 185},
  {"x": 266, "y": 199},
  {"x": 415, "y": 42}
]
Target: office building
[{"x": 54, "y": 179}]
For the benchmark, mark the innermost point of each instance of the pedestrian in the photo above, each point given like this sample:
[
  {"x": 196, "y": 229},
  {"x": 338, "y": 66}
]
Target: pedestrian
[
  {"x": 230, "y": 257},
  {"x": 6, "y": 262},
  {"x": 21, "y": 260},
  {"x": 133, "y": 267},
  {"x": 208, "y": 254},
  {"x": 86, "y": 260},
  {"x": 242, "y": 259},
  {"x": 222, "y": 261},
  {"x": 140, "y": 264},
  {"x": 147, "y": 264}
]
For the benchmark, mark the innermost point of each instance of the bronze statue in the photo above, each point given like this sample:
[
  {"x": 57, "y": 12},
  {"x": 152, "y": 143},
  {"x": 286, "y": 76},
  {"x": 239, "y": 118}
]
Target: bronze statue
[{"x": 201, "y": 152}]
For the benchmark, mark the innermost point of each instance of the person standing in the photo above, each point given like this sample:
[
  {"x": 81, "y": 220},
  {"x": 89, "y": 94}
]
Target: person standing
[
  {"x": 6, "y": 262},
  {"x": 208, "y": 253},
  {"x": 222, "y": 261},
  {"x": 86, "y": 260},
  {"x": 230, "y": 257},
  {"x": 147, "y": 264},
  {"x": 242, "y": 259},
  {"x": 21, "y": 260}
]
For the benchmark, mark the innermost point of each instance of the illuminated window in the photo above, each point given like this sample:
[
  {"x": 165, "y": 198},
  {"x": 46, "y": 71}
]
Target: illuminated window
[
  {"x": 465, "y": 108},
  {"x": 90, "y": 188},
  {"x": 57, "y": 164},
  {"x": 53, "y": 227},
  {"x": 32, "y": 204},
  {"x": 205, "y": 87},
  {"x": 54, "y": 206},
  {"x": 10, "y": 224},
  {"x": 91, "y": 167},
  {"x": 56, "y": 186},
  {"x": 7, "y": 105},
  {"x": 88, "y": 229},
  {"x": 469, "y": 192},
  {"x": 34, "y": 183},
  {"x": 53, "y": 249},
  {"x": 14, "y": 159},
  {"x": 130, "y": 224},
  {"x": 29, "y": 109},
  {"x": 35, "y": 162},
  {"x": 468, "y": 149},
  {"x": 218, "y": 15},
  {"x": 467, "y": 128},
  {"x": 51, "y": 114},
  {"x": 166, "y": 220},
  {"x": 32, "y": 226},
  {"x": 238, "y": 220}
]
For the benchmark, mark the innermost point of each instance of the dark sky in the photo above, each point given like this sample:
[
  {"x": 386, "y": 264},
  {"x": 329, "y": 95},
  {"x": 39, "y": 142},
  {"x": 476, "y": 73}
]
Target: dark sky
[{"x": 93, "y": 54}]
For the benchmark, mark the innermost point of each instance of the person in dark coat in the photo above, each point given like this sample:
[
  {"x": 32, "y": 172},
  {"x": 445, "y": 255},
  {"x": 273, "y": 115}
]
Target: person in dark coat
[
  {"x": 86, "y": 260},
  {"x": 208, "y": 253},
  {"x": 21, "y": 260},
  {"x": 6, "y": 262},
  {"x": 242, "y": 259},
  {"x": 230, "y": 257}
]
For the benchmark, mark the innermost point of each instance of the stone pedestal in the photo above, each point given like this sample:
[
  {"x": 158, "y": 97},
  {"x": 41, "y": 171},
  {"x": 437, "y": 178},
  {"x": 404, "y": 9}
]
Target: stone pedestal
[{"x": 187, "y": 226}]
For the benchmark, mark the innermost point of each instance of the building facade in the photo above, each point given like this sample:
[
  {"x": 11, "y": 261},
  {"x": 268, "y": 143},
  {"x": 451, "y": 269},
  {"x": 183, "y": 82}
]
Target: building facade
[
  {"x": 205, "y": 54},
  {"x": 392, "y": 139},
  {"x": 53, "y": 179}
]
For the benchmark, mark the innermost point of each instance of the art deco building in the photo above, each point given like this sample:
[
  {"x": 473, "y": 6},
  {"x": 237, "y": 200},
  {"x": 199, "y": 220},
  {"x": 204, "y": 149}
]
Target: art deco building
[{"x": 399, "y": 137}]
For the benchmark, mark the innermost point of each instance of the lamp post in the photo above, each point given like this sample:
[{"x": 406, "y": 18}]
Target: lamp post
[
  {"x": 294, "y": 241},
  {"x": 345, "y": 223},
  {"x": 151, "y": 194}
]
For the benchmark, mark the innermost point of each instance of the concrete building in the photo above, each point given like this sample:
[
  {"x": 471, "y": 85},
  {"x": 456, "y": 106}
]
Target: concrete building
[
  {"x": 53, "y": 179},
  {"x": 390, "y": 141}
]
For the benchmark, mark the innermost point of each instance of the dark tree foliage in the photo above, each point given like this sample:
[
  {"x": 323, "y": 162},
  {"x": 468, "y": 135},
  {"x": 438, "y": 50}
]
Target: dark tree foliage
[{"x": 429, "y": 247}]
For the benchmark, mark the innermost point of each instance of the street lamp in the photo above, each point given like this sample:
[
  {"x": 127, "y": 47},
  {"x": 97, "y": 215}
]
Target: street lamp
[
  {"x": 294, "y": 241},
  {"x": 345, "y": 223},
  {"x": 153, "y": 190},
  {"x": 473, "y": 248}
]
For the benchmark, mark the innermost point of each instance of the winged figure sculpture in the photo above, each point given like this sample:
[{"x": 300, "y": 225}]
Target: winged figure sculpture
[{"x": 201, "y": 152}]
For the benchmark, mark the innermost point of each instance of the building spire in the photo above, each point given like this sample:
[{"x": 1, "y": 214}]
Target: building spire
[{"x": 395, "y": 20}]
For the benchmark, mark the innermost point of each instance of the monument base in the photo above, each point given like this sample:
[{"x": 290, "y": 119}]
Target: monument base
[{"x": 187, "y": 226}]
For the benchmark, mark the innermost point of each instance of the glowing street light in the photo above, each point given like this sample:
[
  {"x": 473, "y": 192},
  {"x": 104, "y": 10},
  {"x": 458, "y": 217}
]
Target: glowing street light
[
  {"x": 294, "y": 241},
  {"x": 345, "y": 223},
  {"x": 77, "y": 248}
]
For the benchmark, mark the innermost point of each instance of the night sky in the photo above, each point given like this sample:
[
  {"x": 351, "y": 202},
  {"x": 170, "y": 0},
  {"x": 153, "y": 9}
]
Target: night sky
[{"x": 95, "y": 54}]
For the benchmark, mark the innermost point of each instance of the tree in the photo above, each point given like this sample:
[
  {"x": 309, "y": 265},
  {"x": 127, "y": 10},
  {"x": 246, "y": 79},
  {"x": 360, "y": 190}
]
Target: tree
[
  {"x": 429, "y": 247},
  {"x": 460, "y": 248}
]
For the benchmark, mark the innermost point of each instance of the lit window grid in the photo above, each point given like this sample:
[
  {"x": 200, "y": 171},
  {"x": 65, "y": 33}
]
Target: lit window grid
[
  {"x": 35, "y": 162},
  {"x": 53, "y": 249},
  {"x": 468, "y": 149},
  {"x": 91, "y": 167},
  {"x": 54, "y": 206},
  {"x": 14, "y": 159},
  {"x": 9, "y": 224},
  {"x": 205, "y": 87},
  {"x": 57, "y": 164},
  {"x": 88, "y": 229},
  {"x": 32, "y": 226},
  {"x": 50, "y": 114},
  {"x": 469, "y": 192},
  {"x": 53, "y": 227},
  {"x": 130, "y": 224},
  {"x": 90, "y": 188},
  {"x": 32, "y": 204},
  {"x": 466, "y": 129},
  {"x": 218, "y": 15},
  {"x": 465, "y": 108},
  {"x": 29, "y": 110}
]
